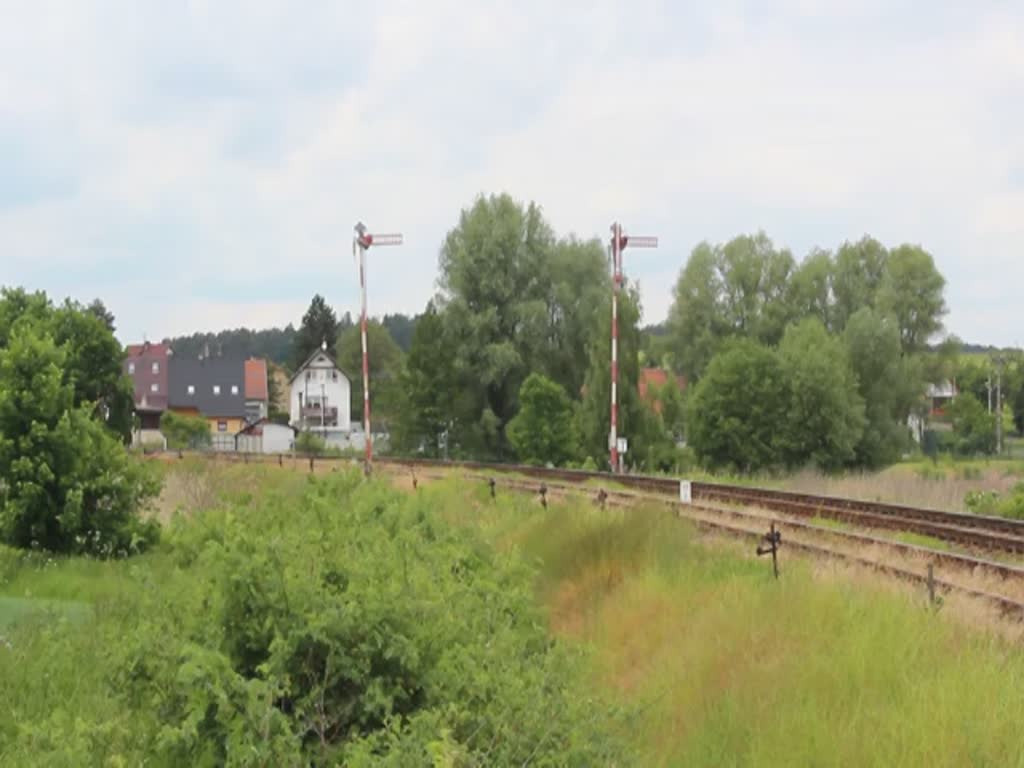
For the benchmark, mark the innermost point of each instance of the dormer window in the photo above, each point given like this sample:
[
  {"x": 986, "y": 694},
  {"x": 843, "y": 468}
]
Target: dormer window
[
  {"x": 191, "y": 389},
  {"x": 234, "y": 389},
  {"x": 216, "y": 389}
]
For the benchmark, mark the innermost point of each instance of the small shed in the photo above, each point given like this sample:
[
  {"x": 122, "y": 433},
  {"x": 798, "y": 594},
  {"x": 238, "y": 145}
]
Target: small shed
[{"x": 265, "y": 436}]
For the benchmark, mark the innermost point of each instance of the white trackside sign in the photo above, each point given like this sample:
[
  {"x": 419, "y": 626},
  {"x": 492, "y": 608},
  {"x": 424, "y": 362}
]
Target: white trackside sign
[{"x": 684, "y": 492}]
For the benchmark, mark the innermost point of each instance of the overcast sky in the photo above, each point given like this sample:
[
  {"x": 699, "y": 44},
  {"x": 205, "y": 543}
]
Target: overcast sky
[{"x": 199, "y": 165}]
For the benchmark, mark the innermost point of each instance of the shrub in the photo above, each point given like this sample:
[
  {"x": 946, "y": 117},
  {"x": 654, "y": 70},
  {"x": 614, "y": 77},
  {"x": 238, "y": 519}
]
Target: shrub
[
  {"x": 183, "y": 431},
  {"x": 310, "y": 444},
  {"x": 67, "y": 484},
  {"x": 324, "y": 631}
]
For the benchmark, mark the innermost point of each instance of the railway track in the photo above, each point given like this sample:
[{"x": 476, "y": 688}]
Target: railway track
[
  {"x": 806, "y": 538},
  {"x": 976, "y": 532},
  {"x": 739, "y": 511}
]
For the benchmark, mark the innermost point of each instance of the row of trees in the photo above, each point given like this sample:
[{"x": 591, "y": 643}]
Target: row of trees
[{"x": 749, "y": 288}]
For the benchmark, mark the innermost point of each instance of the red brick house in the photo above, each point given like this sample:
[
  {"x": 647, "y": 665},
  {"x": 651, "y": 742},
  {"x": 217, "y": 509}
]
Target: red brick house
[{"x": 146, "y": 365}]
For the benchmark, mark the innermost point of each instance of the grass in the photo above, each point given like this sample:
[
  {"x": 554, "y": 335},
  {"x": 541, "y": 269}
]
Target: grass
[
  {"x": 719, "y": 664},
  {"x": 728, "y": 667},
  {"x": 922, "y": 540}
]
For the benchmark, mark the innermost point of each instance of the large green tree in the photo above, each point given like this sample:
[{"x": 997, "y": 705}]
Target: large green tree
[
  {"x": 544, "y": 430},
  {"x": 66, "y": 482},
  {"x": 825, "y": 414},
  {"x": 739, "y": 407},
  {"x": 385, "y": 367},
  {"x": 514, "y": 300},
  {"x": 494, "y": 285},
  {"x": 92, "y": 356},
  {"x": 428, "y": 396},
  {"x": 579, "y": 290},
  {"x": 888, "y": 382},
  {"x": 696, "y": 319},
  {"x": 912, "y": 292},
  {"x": 319, "y": 326},
  {"x": 973, "y": 426},
  {"x": 857, "y": 275},
  {"x": 741, "y": 289}
]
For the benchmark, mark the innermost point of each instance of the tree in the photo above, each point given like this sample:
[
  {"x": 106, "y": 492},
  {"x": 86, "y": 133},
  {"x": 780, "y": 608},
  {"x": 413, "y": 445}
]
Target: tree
[
  {"x": 319, "y": 326},
  {"x": 825, "y": 416},
  {"x": 740, "y": 289},
  {"x": 811, "y": 292},
  {"x": 92, "y": 356},
  {"x": 696, "y": 321},
  {"x": 273, "y": 344},
  {"x": 93, "y": 365},
  {"x": 889, "y": 385},
  {"x": 66, "y": 483},
  {"x": 184, "y": 431},
  {"x": 100, "y": 311},
  {"x": 426, "y": 387},
  {"x": 385, "y": 360},
  {"x": 401, "y": 328},
  {"x": 579, "y": 290},
  {"x": 856, "y": 278},
  {"x": 912, "y": 291},
  {"x": 973, "y": 426},
  {"x": 737, "y": 409},
  {"x": 544, "y": 430},
  {"x": 495, "y": 281}
]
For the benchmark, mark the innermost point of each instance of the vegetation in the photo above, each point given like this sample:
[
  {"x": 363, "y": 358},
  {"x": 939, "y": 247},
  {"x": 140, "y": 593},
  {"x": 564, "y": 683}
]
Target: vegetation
[
  {"x": 67, "y": 483},
  {"x": 184, "y": 431},
  {"x": 311, "y": 623},
  {"x": 310, "y": 444},
  {"x": 544, "y": 430},
  {"x": 319, "y": 327},
  {"x": 385, "y": 358},
  {"x": 91, "y": 357}
]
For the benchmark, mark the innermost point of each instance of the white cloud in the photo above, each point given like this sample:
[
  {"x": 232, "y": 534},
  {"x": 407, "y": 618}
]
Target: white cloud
[{"x": 236, "y": 144}]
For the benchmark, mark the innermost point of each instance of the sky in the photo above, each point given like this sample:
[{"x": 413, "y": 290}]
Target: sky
[{"x": 200, "y": 165}]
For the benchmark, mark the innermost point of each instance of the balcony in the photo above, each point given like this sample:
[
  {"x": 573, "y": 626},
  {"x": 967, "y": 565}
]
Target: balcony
[{"x": 312, "y": 415}]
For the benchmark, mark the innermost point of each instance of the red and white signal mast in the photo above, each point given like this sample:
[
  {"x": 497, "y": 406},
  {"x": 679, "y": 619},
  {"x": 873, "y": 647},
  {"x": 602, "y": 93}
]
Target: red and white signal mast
[
  {"x": 360, "y": 244},
  {"x": 618, "y": 245}
]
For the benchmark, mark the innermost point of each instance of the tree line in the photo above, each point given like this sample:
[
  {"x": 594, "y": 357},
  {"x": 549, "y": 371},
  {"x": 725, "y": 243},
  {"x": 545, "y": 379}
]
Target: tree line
[{"x": 790, "y": 363}]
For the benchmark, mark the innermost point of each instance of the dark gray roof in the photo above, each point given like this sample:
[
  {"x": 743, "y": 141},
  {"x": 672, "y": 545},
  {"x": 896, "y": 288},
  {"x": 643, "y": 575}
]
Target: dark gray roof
[{"x": 204, "y": 375}]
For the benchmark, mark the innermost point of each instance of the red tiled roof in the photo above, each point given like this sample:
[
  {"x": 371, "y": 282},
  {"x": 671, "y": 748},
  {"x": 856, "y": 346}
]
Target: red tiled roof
[
  {"x": 150, "y": 350},
  {"x": 657, "y": 377},
  {"x": 255, "y": 379}
]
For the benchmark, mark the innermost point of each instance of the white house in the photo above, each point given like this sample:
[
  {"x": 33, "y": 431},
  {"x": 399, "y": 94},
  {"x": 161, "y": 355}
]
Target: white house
[{"x": 321, "y": 398}]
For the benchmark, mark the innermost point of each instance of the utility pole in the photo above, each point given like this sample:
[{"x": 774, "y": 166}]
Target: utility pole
[
  {"x": 619, "y": 242},
  {"x": 988, "y": 384},
  {"x": 360, "y": 244},
  {"x": 1000, "y": 362}
]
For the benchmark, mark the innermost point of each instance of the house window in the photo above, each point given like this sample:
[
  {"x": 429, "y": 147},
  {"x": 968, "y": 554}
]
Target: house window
[
  {"x": 191, "y": 389},
  {"x": 222, "y": 426},
  {"x": 154, "y": 387},
  {"x": 156, "y": 367},
  {"x": 334, "y": 375},
  {"x": 216, "y": 389},
  {"x": 131, "y": 367},
  {"x": 234, "y": 389}
]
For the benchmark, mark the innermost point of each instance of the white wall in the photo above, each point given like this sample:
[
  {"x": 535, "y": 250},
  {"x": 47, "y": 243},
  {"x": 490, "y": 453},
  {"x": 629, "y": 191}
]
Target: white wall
[
  {"x": 277, "y": 438},
  {"x": 323, "y": 378}
]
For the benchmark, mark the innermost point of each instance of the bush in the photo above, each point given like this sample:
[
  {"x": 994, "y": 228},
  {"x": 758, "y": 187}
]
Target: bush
[
  {"x": 324, "y": 633},
  {"x": 67, "y": 484},
  {"x": 310, "y": 444},
  {"x": 185, "y": 432}
]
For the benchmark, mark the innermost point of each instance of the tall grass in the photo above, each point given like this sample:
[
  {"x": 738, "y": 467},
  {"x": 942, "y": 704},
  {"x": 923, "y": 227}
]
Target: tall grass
[{"x": 730, "y": 667}]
